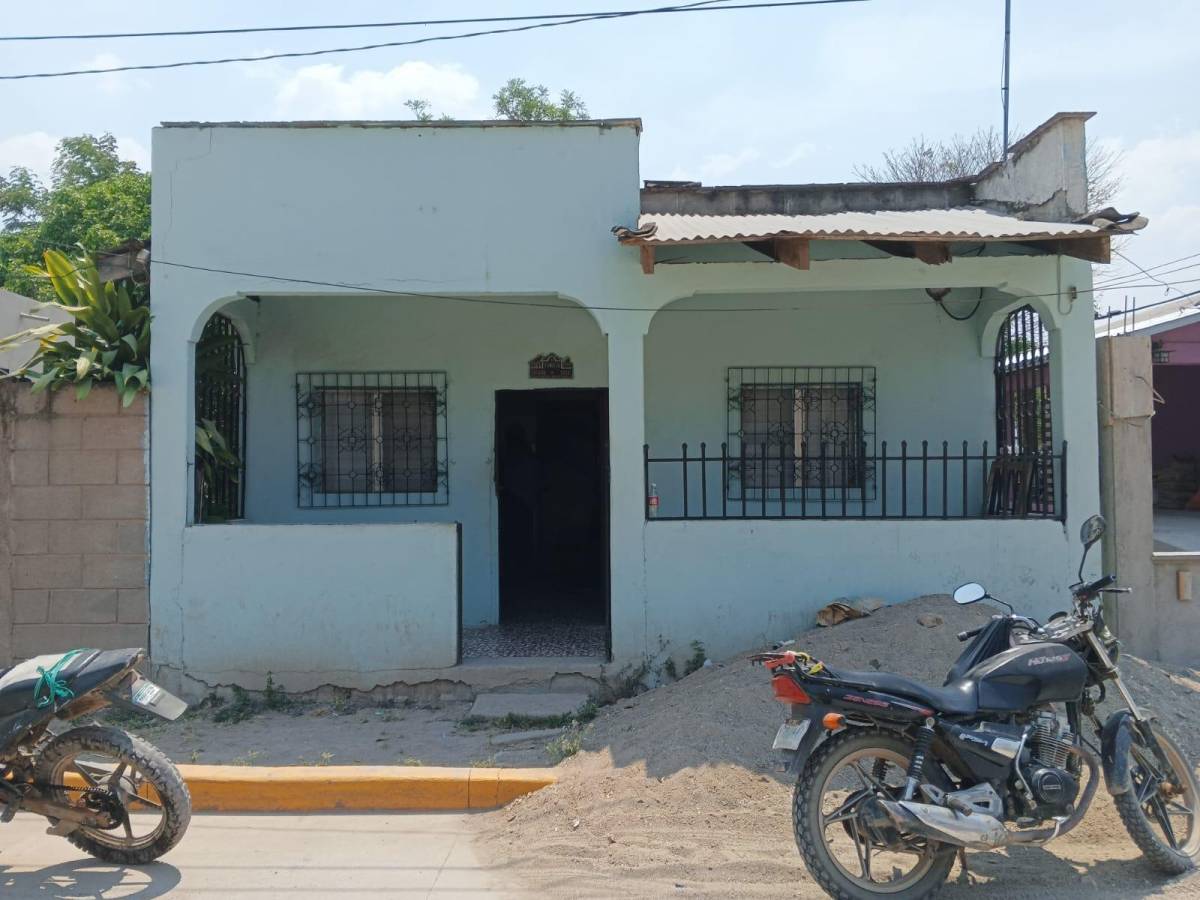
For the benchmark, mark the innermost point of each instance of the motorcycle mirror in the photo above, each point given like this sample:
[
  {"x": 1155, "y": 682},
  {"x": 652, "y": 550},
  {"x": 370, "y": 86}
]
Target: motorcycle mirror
[
  {"x": 1092, "y": 530},
  {"x": 969, "y": 593}
]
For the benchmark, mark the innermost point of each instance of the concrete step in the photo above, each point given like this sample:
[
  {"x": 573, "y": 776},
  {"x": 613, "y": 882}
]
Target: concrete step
[{"x": 495, "y": 706}]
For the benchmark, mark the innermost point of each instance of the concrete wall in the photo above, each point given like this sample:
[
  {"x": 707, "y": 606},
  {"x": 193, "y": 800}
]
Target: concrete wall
[
  {"x": 745, "y": 583},
  {"x": 73, "y": 504},
  {"x": 1173, "y": 615},
  {"x": 351, "y": 605}
]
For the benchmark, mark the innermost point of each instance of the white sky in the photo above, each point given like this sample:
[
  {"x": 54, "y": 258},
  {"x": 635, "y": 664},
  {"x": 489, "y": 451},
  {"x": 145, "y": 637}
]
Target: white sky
[{"x": 777, "y": 96}]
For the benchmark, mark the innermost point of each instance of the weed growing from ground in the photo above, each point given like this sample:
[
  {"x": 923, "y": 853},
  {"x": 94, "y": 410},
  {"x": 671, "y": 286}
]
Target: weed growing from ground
[
  {"x": 565, "y": 745},
  {"x": 519, "y": 722},
  {"x": 697, "y": 659},
  {"x": 242, "y": 708}
]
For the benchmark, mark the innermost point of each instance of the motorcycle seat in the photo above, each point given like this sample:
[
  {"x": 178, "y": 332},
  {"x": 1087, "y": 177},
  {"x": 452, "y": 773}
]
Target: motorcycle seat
[
  {"x": 959, "y": 698},
  {"x": 18, "y": 683}
]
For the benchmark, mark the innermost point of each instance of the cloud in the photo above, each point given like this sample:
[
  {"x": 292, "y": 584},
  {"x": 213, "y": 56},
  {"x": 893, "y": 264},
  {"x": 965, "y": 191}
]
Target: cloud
[
  {"x": 717, "y": 165},
  {"x": 1160, "y": 179},
  {"x": 329, "y": 91},
  {"x": 803, "y": 150},
  {"x": 34, "y": 150},
  {"x": 114, "y": 83}
]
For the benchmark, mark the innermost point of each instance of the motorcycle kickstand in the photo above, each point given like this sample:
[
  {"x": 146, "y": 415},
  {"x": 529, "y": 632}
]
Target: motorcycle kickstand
[{"x": 962, "y": 861}]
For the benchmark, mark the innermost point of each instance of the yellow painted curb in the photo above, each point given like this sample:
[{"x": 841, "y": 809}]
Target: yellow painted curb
[{"x": 327, "y": 788}]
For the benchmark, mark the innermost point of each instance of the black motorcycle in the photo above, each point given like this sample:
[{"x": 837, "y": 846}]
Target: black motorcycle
[
  {"x": 894, "y": 777},
  {"x": 108, "y": 792}
]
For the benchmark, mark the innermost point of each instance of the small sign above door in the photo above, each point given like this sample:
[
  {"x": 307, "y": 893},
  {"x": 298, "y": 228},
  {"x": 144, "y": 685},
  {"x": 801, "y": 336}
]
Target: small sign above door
[{"x": 551, "y": 365}]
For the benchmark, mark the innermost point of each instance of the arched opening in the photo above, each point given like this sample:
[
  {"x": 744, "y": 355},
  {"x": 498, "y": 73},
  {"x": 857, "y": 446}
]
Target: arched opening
[
  {"x": 220, "y": 487},
  {"x": 1023, "y": 477}
]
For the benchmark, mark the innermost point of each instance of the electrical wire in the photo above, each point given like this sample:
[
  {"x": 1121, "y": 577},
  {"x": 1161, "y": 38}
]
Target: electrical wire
[
  {"x": 1169, "y": 262},
  {"x": 663, "y": 10},
  {"x": 340, "y": 26}
]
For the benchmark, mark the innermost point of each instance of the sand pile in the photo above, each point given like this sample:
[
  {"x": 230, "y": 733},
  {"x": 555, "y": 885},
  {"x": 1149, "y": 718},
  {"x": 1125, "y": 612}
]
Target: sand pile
[{"x": 677, "y": 791}]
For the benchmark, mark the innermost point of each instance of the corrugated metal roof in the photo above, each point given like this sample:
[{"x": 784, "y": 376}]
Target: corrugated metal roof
[
  {"x": 1151, "y": 320},
  {"x": 945, "y": 224}
]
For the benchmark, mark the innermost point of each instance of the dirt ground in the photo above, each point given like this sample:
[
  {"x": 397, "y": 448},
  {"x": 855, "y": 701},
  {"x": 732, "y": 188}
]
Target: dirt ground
[
  {"x": 317, "y": 734},
  {"x": 676, "y": 791}
]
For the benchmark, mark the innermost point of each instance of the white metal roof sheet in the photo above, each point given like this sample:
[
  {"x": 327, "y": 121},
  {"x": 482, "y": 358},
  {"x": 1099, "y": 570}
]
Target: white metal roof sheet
[{"x": 948, "y": 224}]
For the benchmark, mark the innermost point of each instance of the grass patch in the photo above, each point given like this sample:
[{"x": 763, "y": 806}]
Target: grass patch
[
  {"x": 696, "y": 661},
  {"x": 240, "y": 709},
  {"x": 131, "y": 719},
  {"x": 565, "y": 745},
  {"x": 518, "y": 722}
]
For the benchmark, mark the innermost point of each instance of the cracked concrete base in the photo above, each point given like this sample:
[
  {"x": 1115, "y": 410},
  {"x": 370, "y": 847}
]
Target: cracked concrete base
[{"x": 494, "y": 706}]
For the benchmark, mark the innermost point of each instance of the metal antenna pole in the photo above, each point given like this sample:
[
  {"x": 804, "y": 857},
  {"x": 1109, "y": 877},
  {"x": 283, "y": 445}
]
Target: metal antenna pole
[{"x": 1004, "y": 87}]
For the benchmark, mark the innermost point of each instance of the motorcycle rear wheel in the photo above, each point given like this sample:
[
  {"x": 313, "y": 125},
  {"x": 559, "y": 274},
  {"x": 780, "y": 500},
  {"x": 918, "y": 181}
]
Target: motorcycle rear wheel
[
  {"x": 1155, "y": 813},
  {"x": 123, "y": 774},
  {"x": 831, "y": 835}
]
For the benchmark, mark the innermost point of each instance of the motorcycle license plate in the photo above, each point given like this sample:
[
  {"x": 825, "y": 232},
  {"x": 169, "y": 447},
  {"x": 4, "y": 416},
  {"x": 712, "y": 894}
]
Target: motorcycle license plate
[
  {"x": 790, "y": 734},
  {"x": 147, "y": 695}
]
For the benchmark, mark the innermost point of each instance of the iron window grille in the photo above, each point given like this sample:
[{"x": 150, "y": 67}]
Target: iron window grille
[
  {"x": 371, "y": 439},
  {"x": 800, "y": 431},
  {"x": 220, "y": 488},
  {"x": 1024, "y": 420}
]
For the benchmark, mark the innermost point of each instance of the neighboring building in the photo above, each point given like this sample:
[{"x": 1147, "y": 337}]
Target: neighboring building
[
  {"x": 462, "y": 402},
  {"x": 1174, "y": 331},
  {"x": 19, "y": 313}
]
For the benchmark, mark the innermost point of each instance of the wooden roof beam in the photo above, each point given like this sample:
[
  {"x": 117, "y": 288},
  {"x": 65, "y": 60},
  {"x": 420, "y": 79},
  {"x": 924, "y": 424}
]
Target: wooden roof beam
[
  {"x": 791, "y": 251},
  {"x": 1093, "y": 248},
  {"x": 932, "y": 253},
  {"x": 647, "y": 254}
]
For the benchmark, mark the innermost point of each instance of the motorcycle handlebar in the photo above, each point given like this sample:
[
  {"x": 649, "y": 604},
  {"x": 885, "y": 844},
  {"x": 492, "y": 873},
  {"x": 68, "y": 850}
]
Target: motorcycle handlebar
[
  {"x": 969, "y": 633},
  {"x": 1098, "y": 585}
]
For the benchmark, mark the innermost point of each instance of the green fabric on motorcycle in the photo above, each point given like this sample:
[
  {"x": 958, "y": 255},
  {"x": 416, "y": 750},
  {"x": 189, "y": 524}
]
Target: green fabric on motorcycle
[{"x": 54, "y": 690}]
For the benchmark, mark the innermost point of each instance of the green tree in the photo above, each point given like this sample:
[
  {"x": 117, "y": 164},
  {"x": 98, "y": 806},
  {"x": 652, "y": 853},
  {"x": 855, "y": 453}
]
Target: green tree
[
  {"x": 526, "y": 102},
  {"x": 96, "y": 199}
]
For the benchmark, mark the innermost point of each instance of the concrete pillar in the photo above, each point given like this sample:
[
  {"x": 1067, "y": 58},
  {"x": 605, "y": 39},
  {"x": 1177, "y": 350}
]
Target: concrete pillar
[
  {"x": 626, "y": 333},
  {"x": 1126, "y": 403}
]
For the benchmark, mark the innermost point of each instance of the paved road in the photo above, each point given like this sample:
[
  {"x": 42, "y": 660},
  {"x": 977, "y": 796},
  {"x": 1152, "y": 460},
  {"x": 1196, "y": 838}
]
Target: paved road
[{"x": 244, "y": 856}]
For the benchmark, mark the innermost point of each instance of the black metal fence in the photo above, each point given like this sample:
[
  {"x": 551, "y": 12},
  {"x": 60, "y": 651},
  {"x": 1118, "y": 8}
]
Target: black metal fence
[
  {"x": 220, "y": 484},
  {"x": 900, "y": 481}
]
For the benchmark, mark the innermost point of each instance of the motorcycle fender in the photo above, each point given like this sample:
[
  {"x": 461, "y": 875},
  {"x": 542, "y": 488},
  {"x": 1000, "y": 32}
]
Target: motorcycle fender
[
  {"x": 794, "y": 760},
  {"x": 1115, "y": 738}
]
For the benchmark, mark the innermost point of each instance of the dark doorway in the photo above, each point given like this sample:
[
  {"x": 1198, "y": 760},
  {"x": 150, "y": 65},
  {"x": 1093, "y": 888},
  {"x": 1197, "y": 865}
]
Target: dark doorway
[{"x": 552, "y": 485}]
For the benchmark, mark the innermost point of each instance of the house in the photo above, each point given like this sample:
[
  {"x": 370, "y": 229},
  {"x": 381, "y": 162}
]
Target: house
[
  {"x": 497, "y": 401},
  {"x": 1173, "y": 327},
  {"x": 19, "y": 313}
]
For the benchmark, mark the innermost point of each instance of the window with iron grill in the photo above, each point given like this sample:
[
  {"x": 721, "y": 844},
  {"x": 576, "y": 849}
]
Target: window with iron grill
[
  {"x": 372, "y": 439},
  {"x": 1024, "y": 424},
  {"x": 795, "y": 429},
  {"x": 221, "y": 408}
]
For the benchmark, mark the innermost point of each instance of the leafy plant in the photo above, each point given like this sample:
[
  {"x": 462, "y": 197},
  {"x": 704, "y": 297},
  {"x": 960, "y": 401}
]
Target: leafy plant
[
  {"x": 106, "y": 340},
  {"x": 565, "y": 745},
  {"x": 696, "y": 660},
  {"x": 213, "y": 454},
  {"x": 243, "y": 707},
  {"x": 275, "y": 697}
]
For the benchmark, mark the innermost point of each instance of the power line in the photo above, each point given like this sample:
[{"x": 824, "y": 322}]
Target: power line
[
  {"x": 1117, "y": 278},
  {"x": 662, "y": 10},
  {"x": 339, "y": 26},
  {"x": 1143, "y": 271}
]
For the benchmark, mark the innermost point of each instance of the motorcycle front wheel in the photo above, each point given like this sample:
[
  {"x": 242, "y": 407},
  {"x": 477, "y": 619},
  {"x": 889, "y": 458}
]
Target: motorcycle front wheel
[
  {"x": 1160, "y": 809},
  {"x": 107, "y": 769},
  {"x": 848, "y": 857}
]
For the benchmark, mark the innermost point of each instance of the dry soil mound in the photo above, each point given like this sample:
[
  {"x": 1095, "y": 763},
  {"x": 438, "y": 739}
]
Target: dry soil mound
[{"x": 676, "y": 791}]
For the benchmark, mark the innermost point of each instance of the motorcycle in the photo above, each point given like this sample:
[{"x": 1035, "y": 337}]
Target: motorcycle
[
  {"x": 110, "y": 793},
  {"x": 894, "y": 778}
]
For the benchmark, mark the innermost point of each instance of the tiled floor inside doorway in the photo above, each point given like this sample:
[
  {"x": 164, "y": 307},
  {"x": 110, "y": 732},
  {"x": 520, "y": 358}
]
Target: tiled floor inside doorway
[{"x": 547, "y": 639}]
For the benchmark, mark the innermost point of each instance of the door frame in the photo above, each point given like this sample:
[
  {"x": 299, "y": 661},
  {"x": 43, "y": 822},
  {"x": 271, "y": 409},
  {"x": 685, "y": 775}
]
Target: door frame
[{"x": 601, "y": 393}]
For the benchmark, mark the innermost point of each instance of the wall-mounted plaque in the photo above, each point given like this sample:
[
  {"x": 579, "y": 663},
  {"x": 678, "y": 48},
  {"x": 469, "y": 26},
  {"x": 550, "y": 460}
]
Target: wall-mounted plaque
[{"x": 551, "y": 365}]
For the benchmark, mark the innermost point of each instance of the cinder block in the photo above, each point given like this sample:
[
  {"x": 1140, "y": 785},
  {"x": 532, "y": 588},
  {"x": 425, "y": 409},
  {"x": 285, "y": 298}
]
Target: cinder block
[
  {"x": 82, "y": 536},
  {"x": 118, "y": 501},
  {"x": 29, "y": 467},
  {"x": 100, "y": 401},
  {"x": 133, "y": 606},
  {"x": 31, "y": 434},
  {"x": 28, "y": 403},
  {"x": 83, "y": 467},
  {"x": 53, "y": 502},
  {"x": 30, "y": 607},
  {"x": 131, "y": 537},
  {"x": 131, "y": 467},
  {"x": 66, "y": 432},
  {"x": 28, "y": 537},
  {"x": 137, "y": 407},
  {"x": 32, "y": 640},
  {"x": 114, "y": 433},
  {"x": 83, "y": 606},
  {"x": 114, "y": 571},
  {"x": 49, "y": 571}
]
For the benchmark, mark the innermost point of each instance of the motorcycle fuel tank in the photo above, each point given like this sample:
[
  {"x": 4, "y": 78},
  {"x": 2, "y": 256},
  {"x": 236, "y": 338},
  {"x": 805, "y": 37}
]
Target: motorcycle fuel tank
[{"x": 1029, "y": 675}]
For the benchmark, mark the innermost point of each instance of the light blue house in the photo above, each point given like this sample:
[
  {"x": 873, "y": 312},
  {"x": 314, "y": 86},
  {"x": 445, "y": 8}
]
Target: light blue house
[{"x": 495, "y": 398}]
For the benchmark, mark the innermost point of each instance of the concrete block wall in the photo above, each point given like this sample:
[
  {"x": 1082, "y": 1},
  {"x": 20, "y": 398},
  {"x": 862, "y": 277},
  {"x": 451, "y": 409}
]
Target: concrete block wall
[{"x": 73, "y": 511}]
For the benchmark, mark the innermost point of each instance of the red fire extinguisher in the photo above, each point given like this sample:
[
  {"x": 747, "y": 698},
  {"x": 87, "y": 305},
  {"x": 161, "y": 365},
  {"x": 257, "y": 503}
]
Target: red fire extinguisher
[{"x": 652, "y": 502}]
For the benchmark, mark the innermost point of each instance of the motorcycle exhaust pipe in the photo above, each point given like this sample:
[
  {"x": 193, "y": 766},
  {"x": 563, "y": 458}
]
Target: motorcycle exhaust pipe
[{"x": 980, "y": 831}]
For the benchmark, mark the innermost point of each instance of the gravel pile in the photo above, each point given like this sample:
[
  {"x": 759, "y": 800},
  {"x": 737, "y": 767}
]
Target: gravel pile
[{"x": 677, "y": 791}]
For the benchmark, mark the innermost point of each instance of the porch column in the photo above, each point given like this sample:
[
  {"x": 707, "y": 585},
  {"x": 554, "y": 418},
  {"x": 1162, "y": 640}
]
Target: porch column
[{"x": 626, "y": 332}]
